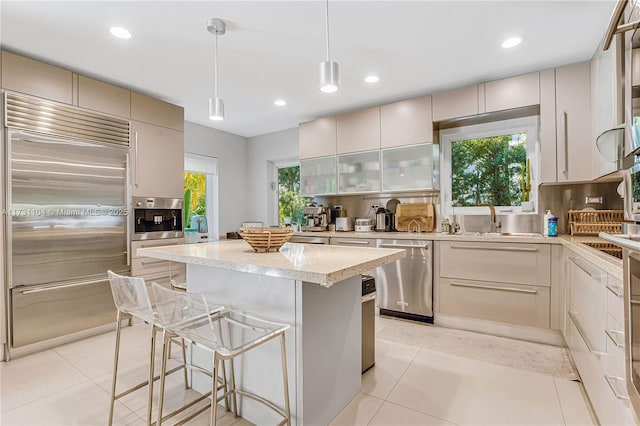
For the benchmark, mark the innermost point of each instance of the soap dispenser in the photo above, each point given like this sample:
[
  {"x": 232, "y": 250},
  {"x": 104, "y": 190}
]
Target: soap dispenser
[{"x": 545, "y": 223}]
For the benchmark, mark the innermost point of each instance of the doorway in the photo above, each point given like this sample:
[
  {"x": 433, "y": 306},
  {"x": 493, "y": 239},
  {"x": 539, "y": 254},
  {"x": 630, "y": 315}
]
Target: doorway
[{"x": 201, "y": 208}]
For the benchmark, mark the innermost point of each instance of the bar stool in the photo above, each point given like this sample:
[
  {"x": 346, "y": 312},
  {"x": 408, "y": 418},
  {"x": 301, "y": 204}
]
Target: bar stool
[
  {"x": 241, "y": 333},
  {"x": 132, "y": 301}
]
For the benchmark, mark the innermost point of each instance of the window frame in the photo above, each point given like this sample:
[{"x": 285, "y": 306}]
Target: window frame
[{"x": 529, "y": 125}]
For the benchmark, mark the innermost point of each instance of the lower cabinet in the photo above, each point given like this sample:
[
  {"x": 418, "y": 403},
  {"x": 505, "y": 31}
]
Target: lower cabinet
[
  {"x": 506, "y": 282},
  {"x": 595, "y": 336},
  {"x": 154, "y": 270}
]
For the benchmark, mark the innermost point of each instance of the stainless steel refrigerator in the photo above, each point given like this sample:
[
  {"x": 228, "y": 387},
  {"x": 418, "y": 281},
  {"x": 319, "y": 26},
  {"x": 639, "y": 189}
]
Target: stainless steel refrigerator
[{"x": 66, "y": 225}]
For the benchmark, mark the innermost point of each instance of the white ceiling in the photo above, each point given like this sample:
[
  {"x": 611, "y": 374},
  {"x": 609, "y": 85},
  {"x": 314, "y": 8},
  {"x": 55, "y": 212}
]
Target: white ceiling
[{"x": 273, "y": 49}]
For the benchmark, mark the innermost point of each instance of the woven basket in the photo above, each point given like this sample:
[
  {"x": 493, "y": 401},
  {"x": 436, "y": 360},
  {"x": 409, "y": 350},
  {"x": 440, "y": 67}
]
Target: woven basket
[
  {"x": 266, "y": 239},
  {"x": 590, "y": 222}
]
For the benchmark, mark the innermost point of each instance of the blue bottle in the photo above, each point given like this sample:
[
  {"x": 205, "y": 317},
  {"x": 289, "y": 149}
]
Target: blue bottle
[{"x": 553, "y": 227}]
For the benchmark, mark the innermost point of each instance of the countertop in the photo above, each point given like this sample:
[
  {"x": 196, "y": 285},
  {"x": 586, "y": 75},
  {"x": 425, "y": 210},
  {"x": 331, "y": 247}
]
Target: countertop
[
  {"x": 604, "y": 261},
  {"x": 320, "y": 264}
]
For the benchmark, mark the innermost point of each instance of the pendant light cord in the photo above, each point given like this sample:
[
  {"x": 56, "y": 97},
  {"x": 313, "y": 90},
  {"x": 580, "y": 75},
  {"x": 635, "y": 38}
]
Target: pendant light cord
[
  {"x": 327, "y": 26},
  {"x": 215, "y": 66}
]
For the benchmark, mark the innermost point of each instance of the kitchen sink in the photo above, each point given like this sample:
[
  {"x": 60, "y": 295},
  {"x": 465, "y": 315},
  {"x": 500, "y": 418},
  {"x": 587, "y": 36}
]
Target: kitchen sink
[{"x": 502, "y": 234}]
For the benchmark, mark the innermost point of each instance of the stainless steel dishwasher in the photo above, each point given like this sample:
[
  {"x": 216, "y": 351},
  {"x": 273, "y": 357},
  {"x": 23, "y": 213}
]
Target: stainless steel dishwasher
[{"x": 405, "y": 287}]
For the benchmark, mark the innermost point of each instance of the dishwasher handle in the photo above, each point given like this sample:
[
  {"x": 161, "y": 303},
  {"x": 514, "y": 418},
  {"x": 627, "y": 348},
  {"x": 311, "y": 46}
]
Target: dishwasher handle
[{"x": 408, "y": 246}]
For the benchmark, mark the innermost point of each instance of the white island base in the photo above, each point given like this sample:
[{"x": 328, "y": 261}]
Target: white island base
[
  {"x": 323, "y": 343},
  {"x": 316, "y": 290}
]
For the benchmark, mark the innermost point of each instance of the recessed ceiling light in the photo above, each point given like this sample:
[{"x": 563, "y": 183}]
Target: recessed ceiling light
[
  {"x": 512, "y": 42},
  {"x": 372, "y": 79},
  {"x": 120, "y": 32},
  {"x": 280, "y": 102}
]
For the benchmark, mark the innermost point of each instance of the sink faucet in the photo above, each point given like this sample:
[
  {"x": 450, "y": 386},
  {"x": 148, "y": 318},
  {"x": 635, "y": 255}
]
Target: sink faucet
[{"x": 493, "y": 225}]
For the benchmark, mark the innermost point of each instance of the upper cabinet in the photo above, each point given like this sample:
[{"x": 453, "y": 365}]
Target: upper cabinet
[
  {"x": 157, "y": 161},
  {"x": 575, "y": 144},
  {"x": 103, "y": 97},
  {"x": 317, "y": 138},
  {"x": 155, "y": 111},
  {"x": 406, "y": 122},
  {"x": 358, "y": 131},
  {"x": 455, "y": 103},
  {"x": 514, "y": 92},
  {"x": 35, "y": 78}
]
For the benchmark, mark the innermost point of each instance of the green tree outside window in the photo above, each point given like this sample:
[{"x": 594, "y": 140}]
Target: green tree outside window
[
  {"x": 290, "y": 201},
  {"x": 488, "y": 170}
]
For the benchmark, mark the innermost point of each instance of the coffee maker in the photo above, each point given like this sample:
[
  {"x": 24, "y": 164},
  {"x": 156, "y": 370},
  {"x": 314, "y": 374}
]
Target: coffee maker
[{"x": 315, "y": 218}]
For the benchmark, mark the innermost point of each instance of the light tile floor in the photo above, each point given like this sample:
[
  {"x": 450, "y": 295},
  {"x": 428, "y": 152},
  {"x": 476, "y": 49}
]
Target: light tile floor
[{"x": 421, "y": 377}]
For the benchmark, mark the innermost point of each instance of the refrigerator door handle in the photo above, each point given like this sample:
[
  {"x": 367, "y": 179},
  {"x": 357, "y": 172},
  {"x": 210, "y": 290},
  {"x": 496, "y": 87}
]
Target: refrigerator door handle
[
  {"x": 135, "y": 180},
  {"x": 60, "y": 287}
]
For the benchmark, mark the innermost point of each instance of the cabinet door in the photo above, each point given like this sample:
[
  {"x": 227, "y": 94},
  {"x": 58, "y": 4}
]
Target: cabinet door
[
  {"x": 158, "y": 161},
  {"x": 103, "y": 97},
  {"x": 36, "y": 78},
  {"x": 548, "y": 149},
  {"x": 155, "y": 111},
  {"x": 317, "y": 138},
  {"x": 575, "y": 143},
  {"x": 514, "y": 92},
  {"x": 455, "y": 103},
  {"x": 318, "y": 176},
  {"x": 407, "y": 122},
  {"x": 358, "y": 131},
  {"x": 409, "y": 168},
  {"x": 359, "y": 172}
]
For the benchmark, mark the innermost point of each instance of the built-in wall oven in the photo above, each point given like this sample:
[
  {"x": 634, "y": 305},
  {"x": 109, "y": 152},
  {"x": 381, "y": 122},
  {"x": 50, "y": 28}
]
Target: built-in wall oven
[{"x": 156, "y": 218}]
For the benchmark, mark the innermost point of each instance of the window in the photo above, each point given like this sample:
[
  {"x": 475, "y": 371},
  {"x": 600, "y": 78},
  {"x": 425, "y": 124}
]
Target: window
[
  {"x": 290, "y": 202},
  {"x": 491, "y": 163},
  {"x": 201, "y": 194}
]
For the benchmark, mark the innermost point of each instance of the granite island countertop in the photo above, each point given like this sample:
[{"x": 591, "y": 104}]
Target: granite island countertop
[{"x": 320, "y": 264}]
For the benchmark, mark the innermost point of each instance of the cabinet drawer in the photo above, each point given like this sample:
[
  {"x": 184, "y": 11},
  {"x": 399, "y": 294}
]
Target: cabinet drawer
[
  {"x": 148, "y": 265},
  {"x": 615, "y": 306},
  {"x": 528, "y": 264},
  {"x": 587, "y": 302},
  {"x": 510, "y": 303},
  {"x": 135, "y": 245},
  {"x": 615, "y": 343}
]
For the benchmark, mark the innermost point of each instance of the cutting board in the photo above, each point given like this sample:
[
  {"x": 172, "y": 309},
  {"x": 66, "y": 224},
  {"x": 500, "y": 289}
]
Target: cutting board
[{"x": 410, "y": 216}]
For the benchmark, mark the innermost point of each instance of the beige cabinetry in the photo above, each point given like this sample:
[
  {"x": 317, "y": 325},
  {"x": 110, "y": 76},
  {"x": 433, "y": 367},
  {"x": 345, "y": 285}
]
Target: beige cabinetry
[
  {"x": 406, "y": 122},
  {"x": 548, "y": 149},
  {"x": 359, "y": 172},
  {"x": 154, "y": 270},
  {"x": 103, "y": 97},
  {"x": 157, "y": 156},
  {"x": 575, "y": 144},
  {"x": 358, "y": 131},
  {"x": 35, "y": 78},
  {"x": 514, "y": 92},
  {"x": 506, "y": 282},
  {"x": 595, "y": 339},
  {"x": 317, "y": 138},
  {"x": 455, "y": 103},
  {"x": 154, "y": 111},
  {"x": 410, "y": 167}
]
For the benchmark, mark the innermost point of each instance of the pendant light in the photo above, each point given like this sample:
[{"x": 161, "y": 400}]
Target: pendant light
[
  {"x": 329, "y": 73},
  {"x": 216, "y": 105}
]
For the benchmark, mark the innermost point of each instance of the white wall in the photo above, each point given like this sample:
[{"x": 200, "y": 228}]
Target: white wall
[
  {"x": 264, "y": 152},
  {"x": 231, "y": 152}
]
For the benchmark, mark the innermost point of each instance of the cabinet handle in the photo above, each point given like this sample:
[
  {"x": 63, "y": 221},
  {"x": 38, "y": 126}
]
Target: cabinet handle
[
  {"x": 507, "y": 248},
  {"x": 610, "y": 381},
  {"x": 611, "y": 334},
  {"x": 596, "y": 275},
  {"x": 617, "y": 290},
  {"x": 135, "y": 179},
  {"x": 565, "y": 117},
  {"x": 153, "y": 262},
  {"x": 157, "y": 245},
  {"x": 355, "y": 242},
  {"x": 574, "y": 320},
  {"x": 62, "y": 287},
  {"x": 491, "y": 287}
]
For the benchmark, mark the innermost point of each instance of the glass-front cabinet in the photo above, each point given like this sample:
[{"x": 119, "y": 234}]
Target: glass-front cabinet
[
  {"x": 318, "y": 176},
  {"x": 359, "y": 172},
  {"x": 410, "y": 168}
]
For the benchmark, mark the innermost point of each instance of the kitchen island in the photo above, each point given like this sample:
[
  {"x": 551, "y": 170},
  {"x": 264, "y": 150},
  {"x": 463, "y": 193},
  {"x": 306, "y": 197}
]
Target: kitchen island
[{"x": 314, "y": 289}]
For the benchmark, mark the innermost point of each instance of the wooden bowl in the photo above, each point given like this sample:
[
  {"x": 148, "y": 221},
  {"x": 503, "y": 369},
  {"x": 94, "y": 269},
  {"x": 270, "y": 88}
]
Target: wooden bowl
[{"x": 266, "y": 239}]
